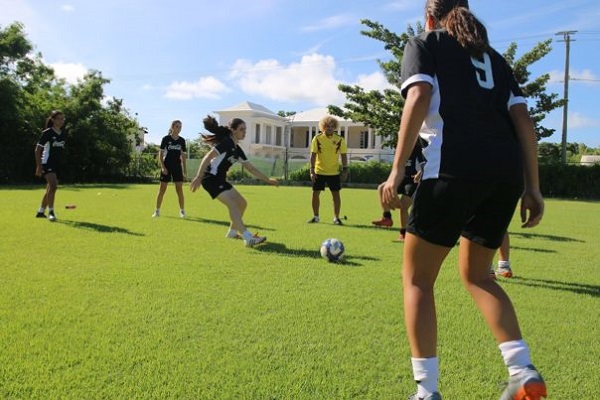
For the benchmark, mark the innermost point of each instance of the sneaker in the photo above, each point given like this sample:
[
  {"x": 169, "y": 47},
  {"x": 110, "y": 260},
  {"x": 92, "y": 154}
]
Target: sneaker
[
  {"x": 387, "y": 222},
  {"x": 253, "y": 241},
  {"x": 156, "y": 214},
  {"x": 182, "y": 214},
  {"x": 506, "y": 272},
  {"x": 431, "y": 396},
  {"x": 337, "y": 221},
  {"x": 313, "y": 220},
  {"x": 527, "y": 384},
  {"x": 51, "y": 216},
  {"x": 40, "y": 215}
]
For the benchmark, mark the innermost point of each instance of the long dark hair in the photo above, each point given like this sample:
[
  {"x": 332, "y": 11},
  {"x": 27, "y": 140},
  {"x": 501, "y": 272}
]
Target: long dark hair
[
  {"x": 219, "y": 132},
  {"x": 461, "y": 24},
  {"x": 50, "y": 119}
]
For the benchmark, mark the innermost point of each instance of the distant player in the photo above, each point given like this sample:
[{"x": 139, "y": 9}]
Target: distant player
[
  {"x": 406, "y": 190},
  {"x": 48, "y": 155},
  {"x": 212, "y": 174},
  {"x": 172, "y": 166},
  {"x": 326, "y": 150}
]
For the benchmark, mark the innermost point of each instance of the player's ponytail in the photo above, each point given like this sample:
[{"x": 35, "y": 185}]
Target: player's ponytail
[
  {"x": 461, "y": 24},
  {"x": 219, "y": 132}
]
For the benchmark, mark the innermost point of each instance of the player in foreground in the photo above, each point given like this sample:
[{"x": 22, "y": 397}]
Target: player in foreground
[
  {"x": 172, "y": 166},
  {"x": 48, "y": 154},
  {"x": 461, "y": 93},
  {"x": 326, "y": 149},
  {"x": 406, "y": 189},
  {"x": 212, "y": 174}
]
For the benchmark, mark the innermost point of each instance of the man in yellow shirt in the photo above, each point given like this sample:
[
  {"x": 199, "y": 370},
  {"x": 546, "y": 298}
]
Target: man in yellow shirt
[{"x": 326, "y": 149}]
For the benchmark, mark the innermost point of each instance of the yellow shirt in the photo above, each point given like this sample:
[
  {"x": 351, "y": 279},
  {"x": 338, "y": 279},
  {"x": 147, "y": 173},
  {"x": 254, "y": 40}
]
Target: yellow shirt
[{"x": 328, "y": 150}]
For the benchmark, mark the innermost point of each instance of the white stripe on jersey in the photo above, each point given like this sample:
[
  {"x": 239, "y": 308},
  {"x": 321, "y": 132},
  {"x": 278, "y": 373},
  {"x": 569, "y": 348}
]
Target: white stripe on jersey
[
  {"x": 512, "y": 100},
  {"x": 432, "y": 131},
  {"x": 416, "y": 78},
  {"x": 214, "y": 164},
  {"x": 45, "y": 152}
]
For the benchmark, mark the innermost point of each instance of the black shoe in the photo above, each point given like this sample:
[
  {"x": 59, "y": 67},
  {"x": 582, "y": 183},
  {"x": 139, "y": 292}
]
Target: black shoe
[
  {"x": 51, "y": 216},
  {"x": 40, "y": 215},
  {"x": 337, "y": 221}
]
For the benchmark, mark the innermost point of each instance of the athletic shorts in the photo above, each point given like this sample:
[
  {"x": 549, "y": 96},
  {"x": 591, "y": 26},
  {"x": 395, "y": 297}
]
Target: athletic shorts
[
  {"x": 49, "y": 169},
  {"x": 174, "y": 173},
  {"x": 333, "y": 182},
  {"x": 444, "y": 209},
  {"x": 215, "y": 186},
  {"x": 407, "y": 186}
]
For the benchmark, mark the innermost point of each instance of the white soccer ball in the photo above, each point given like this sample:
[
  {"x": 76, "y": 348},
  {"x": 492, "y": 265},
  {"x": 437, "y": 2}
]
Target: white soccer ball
[{"x": 332, "y": 249}]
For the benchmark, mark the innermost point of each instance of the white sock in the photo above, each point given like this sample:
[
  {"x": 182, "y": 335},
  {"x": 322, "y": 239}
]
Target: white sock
[
  {"x": 426, "y": 372},
  {"x": 182, "y": 211},
  {"x": 516, "y": 355},
  {"x": 42, "y": 210},
  {"x": 503, "y": 264},
  {"x": 231, "y": 233},
  {"x": 247, "y": 235},
  {"x": 51, "y": 209}
]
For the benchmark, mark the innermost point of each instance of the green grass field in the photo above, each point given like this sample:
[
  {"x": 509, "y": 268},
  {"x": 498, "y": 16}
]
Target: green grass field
[{"x": 110, "y": 303}]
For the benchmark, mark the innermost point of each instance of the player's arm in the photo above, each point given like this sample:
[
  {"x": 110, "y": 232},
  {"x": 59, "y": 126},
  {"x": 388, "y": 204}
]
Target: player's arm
[
  {"x": 256, "y": 172},
  {"x": 313, "y": 162},
  {"x": 344, "y": 173},
  {"x": 38, "y": 159},
  {"x": 532, "y": 201},
  {"x": 415, "y": 110},
  {"x": 197, "y": 181},
  {"x": 183, "y": 163}
]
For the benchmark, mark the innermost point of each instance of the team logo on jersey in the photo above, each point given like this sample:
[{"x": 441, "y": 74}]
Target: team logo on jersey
[
  {"x": 174, "y": 147},
  {"x": 58, "y": 144}
]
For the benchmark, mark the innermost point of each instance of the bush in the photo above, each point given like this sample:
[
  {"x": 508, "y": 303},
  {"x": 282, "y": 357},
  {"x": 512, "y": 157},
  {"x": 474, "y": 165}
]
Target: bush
[
  {"x": 358, "y": 172},
  {"x": 572, "y": 181}
]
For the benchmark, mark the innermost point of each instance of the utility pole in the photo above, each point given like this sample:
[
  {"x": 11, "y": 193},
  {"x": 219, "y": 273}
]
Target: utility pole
[{"x": 567, "y": 39}]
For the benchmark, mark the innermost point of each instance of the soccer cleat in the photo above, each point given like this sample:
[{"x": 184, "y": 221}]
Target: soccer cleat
[
  {"x": 431, "y": 396},
  {"x": 506, "y": 272},
  {"x": 254, "y": 240},
  {"x": 526, "y": 385},
  {"x": 337, "y": 221},
  {"x": 182, "y": 214},
  {"x": 156, "y": 214},
  {"x": 313, "y": 220},
  {"x": 387, "y": 222},
  {"x": 40, "y": 215},
  {"x": 51, "y": 216}
]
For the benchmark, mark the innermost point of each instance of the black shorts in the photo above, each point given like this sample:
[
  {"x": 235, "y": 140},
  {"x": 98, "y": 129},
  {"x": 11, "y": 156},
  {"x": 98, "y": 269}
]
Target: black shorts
[
  {"x": 407, "y": 186},
  {"x": 49, "y": 169},
  {"x": 444, "y": 209},
  {"x": 215, "y": 186},
  {"x": 334, "y": 183},
  {"x": 174, "y": 173}
]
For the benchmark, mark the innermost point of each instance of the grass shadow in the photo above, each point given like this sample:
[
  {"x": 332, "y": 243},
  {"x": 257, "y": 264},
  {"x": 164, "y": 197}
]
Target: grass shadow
[
  {"x": 282, "y": 250},
  {"x": 578, "y": 288},
  {"x": 532, "y": 249},
  {"x": 553, "y": 238},
  {"x": 221, "y": 222},
  {"x": 98, "y": 227}
]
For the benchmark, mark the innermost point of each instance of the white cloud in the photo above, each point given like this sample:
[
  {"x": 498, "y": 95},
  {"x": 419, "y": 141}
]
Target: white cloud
[
  {"x": 310, "y": 80},
  {"x": 400, "y": 5},
  {"x": 67, "y": 8},
  {"x": 585, "y": 76},
  {"x": 333, "y": 22},
  {"x": 207, "y": 87},
  {"x": 71, "y": 72},
  {"x": 580, "y": 121},
  {"x": 374, "y": 81}
]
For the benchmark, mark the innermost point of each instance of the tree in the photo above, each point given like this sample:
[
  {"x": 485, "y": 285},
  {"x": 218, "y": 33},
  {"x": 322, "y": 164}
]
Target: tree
[{"x": 381, "y": 110}]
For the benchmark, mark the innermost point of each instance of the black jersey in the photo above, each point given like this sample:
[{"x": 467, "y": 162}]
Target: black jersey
[
  {"x": 172, "y": 149},
  {"x": 468, "y": 129},
  {"x": 53, "y": 144},
  {"x": 416, "y": 159},
  {"x": 229, "y": 154}
]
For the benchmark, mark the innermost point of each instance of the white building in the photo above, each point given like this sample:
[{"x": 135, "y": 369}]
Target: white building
[{"x": 270, "y": 135}]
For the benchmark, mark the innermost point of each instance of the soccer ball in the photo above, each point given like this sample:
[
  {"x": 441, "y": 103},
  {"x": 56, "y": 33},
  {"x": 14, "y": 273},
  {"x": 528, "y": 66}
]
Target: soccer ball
[{"x": 332, "y": 250}]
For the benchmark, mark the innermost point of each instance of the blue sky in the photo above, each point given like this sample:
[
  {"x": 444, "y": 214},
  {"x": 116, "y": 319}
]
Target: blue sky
[{"x": 182, "y": 59}]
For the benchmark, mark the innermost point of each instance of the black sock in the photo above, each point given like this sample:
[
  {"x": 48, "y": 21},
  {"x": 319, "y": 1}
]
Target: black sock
[
  {"x": 403, "y": 231},
  {"x": 387, "y": 214}
]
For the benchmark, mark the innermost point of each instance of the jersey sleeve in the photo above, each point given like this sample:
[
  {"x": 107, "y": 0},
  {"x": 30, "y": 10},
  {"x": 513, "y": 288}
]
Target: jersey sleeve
[
  {"x": 343, "y": 146},
  {"x": 45, "y": 138},
  {"x": 163, "y": 143},
  {"x": 516, "y": 95},
  {"x": 242, "y": 155},
  {"x": 417, "y": 64},
  {"x": 183, "y": 145},
  {"x": 314, "y": 146}
]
